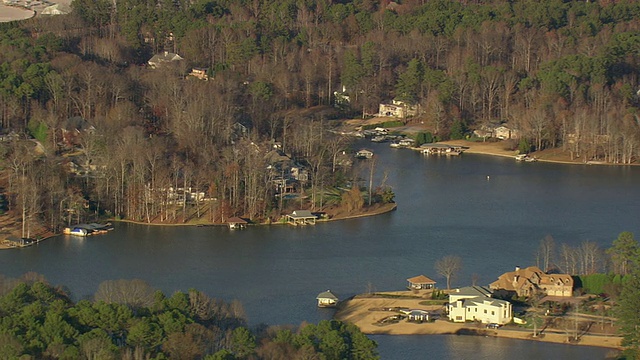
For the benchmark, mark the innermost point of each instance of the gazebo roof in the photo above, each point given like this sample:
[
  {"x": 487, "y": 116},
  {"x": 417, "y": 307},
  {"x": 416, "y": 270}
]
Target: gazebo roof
[
  {"x": 236, "y": 220},
  {"x": 327, "y": 295},
  {"x": 420, "y": 279}
]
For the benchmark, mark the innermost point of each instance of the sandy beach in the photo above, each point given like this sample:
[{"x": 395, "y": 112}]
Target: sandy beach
[
  {"x": 365, "y": 312},
  {"x": 12, "y": 13}
]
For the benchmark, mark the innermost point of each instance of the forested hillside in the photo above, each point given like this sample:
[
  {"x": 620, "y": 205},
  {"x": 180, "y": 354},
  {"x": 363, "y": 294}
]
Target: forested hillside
[{"x": 563, "y": 74}]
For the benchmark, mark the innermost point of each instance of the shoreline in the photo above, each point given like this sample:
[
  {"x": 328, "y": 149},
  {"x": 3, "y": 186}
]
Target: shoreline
[
  {"x": 493, "y": 149},
  {"x": 385, "y": 208},
  {"x": 365, "y": 312}
]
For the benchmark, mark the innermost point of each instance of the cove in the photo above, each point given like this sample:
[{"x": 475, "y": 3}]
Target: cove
[{"x": 446, "y": 206}]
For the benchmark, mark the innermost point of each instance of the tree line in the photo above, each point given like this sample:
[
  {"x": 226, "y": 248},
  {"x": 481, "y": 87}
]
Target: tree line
[
  {"x": 563, "y": 74},
  {"x": 129, "y": 320},
  {"x": 588, "y": 257}
]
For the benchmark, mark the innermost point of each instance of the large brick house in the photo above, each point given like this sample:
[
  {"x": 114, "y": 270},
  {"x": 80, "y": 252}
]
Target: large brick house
[{"x": 530, "y": 281}]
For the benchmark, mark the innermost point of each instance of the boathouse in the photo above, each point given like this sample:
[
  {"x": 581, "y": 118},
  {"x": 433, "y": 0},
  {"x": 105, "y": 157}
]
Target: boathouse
[
  {"x": 441, "y": 149},
  {"x": 237, "y": 223},
  {"x": 421, "y": 282},
  {"x": 301, "y": 217},
  {"x": 327, "y": 299}
]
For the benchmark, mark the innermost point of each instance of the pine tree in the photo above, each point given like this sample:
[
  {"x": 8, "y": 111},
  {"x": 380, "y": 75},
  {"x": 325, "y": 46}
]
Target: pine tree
[{"x": 628, "y": 314}]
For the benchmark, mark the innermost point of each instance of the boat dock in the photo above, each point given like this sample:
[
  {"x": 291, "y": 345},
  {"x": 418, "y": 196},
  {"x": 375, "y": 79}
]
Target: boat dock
[{"x": 87, "y": 229}]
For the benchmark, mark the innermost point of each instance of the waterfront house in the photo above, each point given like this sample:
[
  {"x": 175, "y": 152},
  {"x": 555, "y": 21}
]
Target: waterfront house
[
  {"x": 327, "y": 299},
  {"x": 474, "y": 303},
  {"x": 531, "y": 280},
  {"x": 421, "y": 282},
  {"x": 301, "y": 217}
]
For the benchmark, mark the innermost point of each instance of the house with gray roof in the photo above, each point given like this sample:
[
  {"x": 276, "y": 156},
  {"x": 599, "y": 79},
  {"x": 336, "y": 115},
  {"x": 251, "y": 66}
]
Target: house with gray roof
[
  {"x": 474, "y": 303},
  {"x": 163, "y": 58}
]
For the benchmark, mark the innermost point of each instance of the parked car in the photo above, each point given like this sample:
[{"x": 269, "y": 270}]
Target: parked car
[{"x": 493, "y": 326}]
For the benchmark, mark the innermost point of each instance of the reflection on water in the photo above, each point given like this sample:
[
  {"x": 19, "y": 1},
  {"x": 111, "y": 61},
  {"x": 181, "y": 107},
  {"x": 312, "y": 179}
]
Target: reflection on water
[
  {"x": 480, "y": 347},
  {"x": 446, "y": 207}
]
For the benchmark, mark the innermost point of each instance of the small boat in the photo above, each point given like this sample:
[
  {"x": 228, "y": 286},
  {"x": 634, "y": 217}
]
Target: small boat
[
  {"x": 394, "y": 145},
  {"x": 525, "y": 158},
  {"x": 78, "y": 232},
  {"x": 364, "y": 154}
]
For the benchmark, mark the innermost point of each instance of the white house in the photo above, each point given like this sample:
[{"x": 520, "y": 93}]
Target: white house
[
  {"x": 475, "y": 303},
  {"x": 398, "y": 109}
]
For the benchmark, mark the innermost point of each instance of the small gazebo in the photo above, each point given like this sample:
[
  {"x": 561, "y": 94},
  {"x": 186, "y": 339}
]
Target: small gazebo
[
  {"x": 417, "y": 315},
  {"x": 327, "y": 299},
  {"x": 421, "y": 282}
]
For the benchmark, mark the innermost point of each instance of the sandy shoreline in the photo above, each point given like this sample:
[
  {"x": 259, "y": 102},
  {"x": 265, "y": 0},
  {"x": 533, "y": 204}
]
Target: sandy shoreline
[
  {"x": 13, "y": 13},
  {"x": 365, "y": 312}
]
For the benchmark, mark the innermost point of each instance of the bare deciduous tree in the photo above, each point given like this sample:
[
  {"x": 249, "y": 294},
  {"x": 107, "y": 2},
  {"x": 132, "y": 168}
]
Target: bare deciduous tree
[
  {"x": 134, "y": 293},
  {"x": 449, "y": 266}
]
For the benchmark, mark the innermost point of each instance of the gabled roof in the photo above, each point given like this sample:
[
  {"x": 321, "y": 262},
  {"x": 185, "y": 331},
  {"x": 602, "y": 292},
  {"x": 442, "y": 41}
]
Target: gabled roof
[
  {"x": 529, "y": 277},
  {"x": 473, "y": 291},
  {"x": 164, "y": 57},
  {"x": 236, "y": 220},
  {"x": 327, "y": 295},
  {"x": 300, "y": 214},
  {"x": 420, "y": 279},
  {"x": 482, "y": 300}
]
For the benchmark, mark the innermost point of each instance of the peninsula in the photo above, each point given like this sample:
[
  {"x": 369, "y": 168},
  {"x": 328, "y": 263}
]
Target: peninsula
[{"x": 367, "y": 310}]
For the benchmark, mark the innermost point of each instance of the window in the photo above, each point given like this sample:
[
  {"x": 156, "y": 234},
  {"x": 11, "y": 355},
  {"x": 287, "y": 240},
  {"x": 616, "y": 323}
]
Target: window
[
  {"x": 485, "y": 311},
  {"x": 458, "y": 317},
  {"x": 493, "y": 312}
]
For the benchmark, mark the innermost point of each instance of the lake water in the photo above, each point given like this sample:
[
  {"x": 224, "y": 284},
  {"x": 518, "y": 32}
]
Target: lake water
[{"x": 490, "y": 211}]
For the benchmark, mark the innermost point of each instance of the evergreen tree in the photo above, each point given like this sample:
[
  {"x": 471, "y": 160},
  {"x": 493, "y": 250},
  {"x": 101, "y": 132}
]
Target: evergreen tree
[
  {"x": 409, "y": 82},
  {"x": 628, "y": 314},
  {"x": 458, "y": 130}
]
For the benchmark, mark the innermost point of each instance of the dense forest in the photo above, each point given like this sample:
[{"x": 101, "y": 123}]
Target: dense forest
[
  {"x": 119, "y": 137},
  {"x": 129, "y": 320}
]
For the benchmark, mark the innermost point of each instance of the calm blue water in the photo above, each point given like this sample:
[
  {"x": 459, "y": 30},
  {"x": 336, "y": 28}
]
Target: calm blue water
[{"x": 447, "y": 206}]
